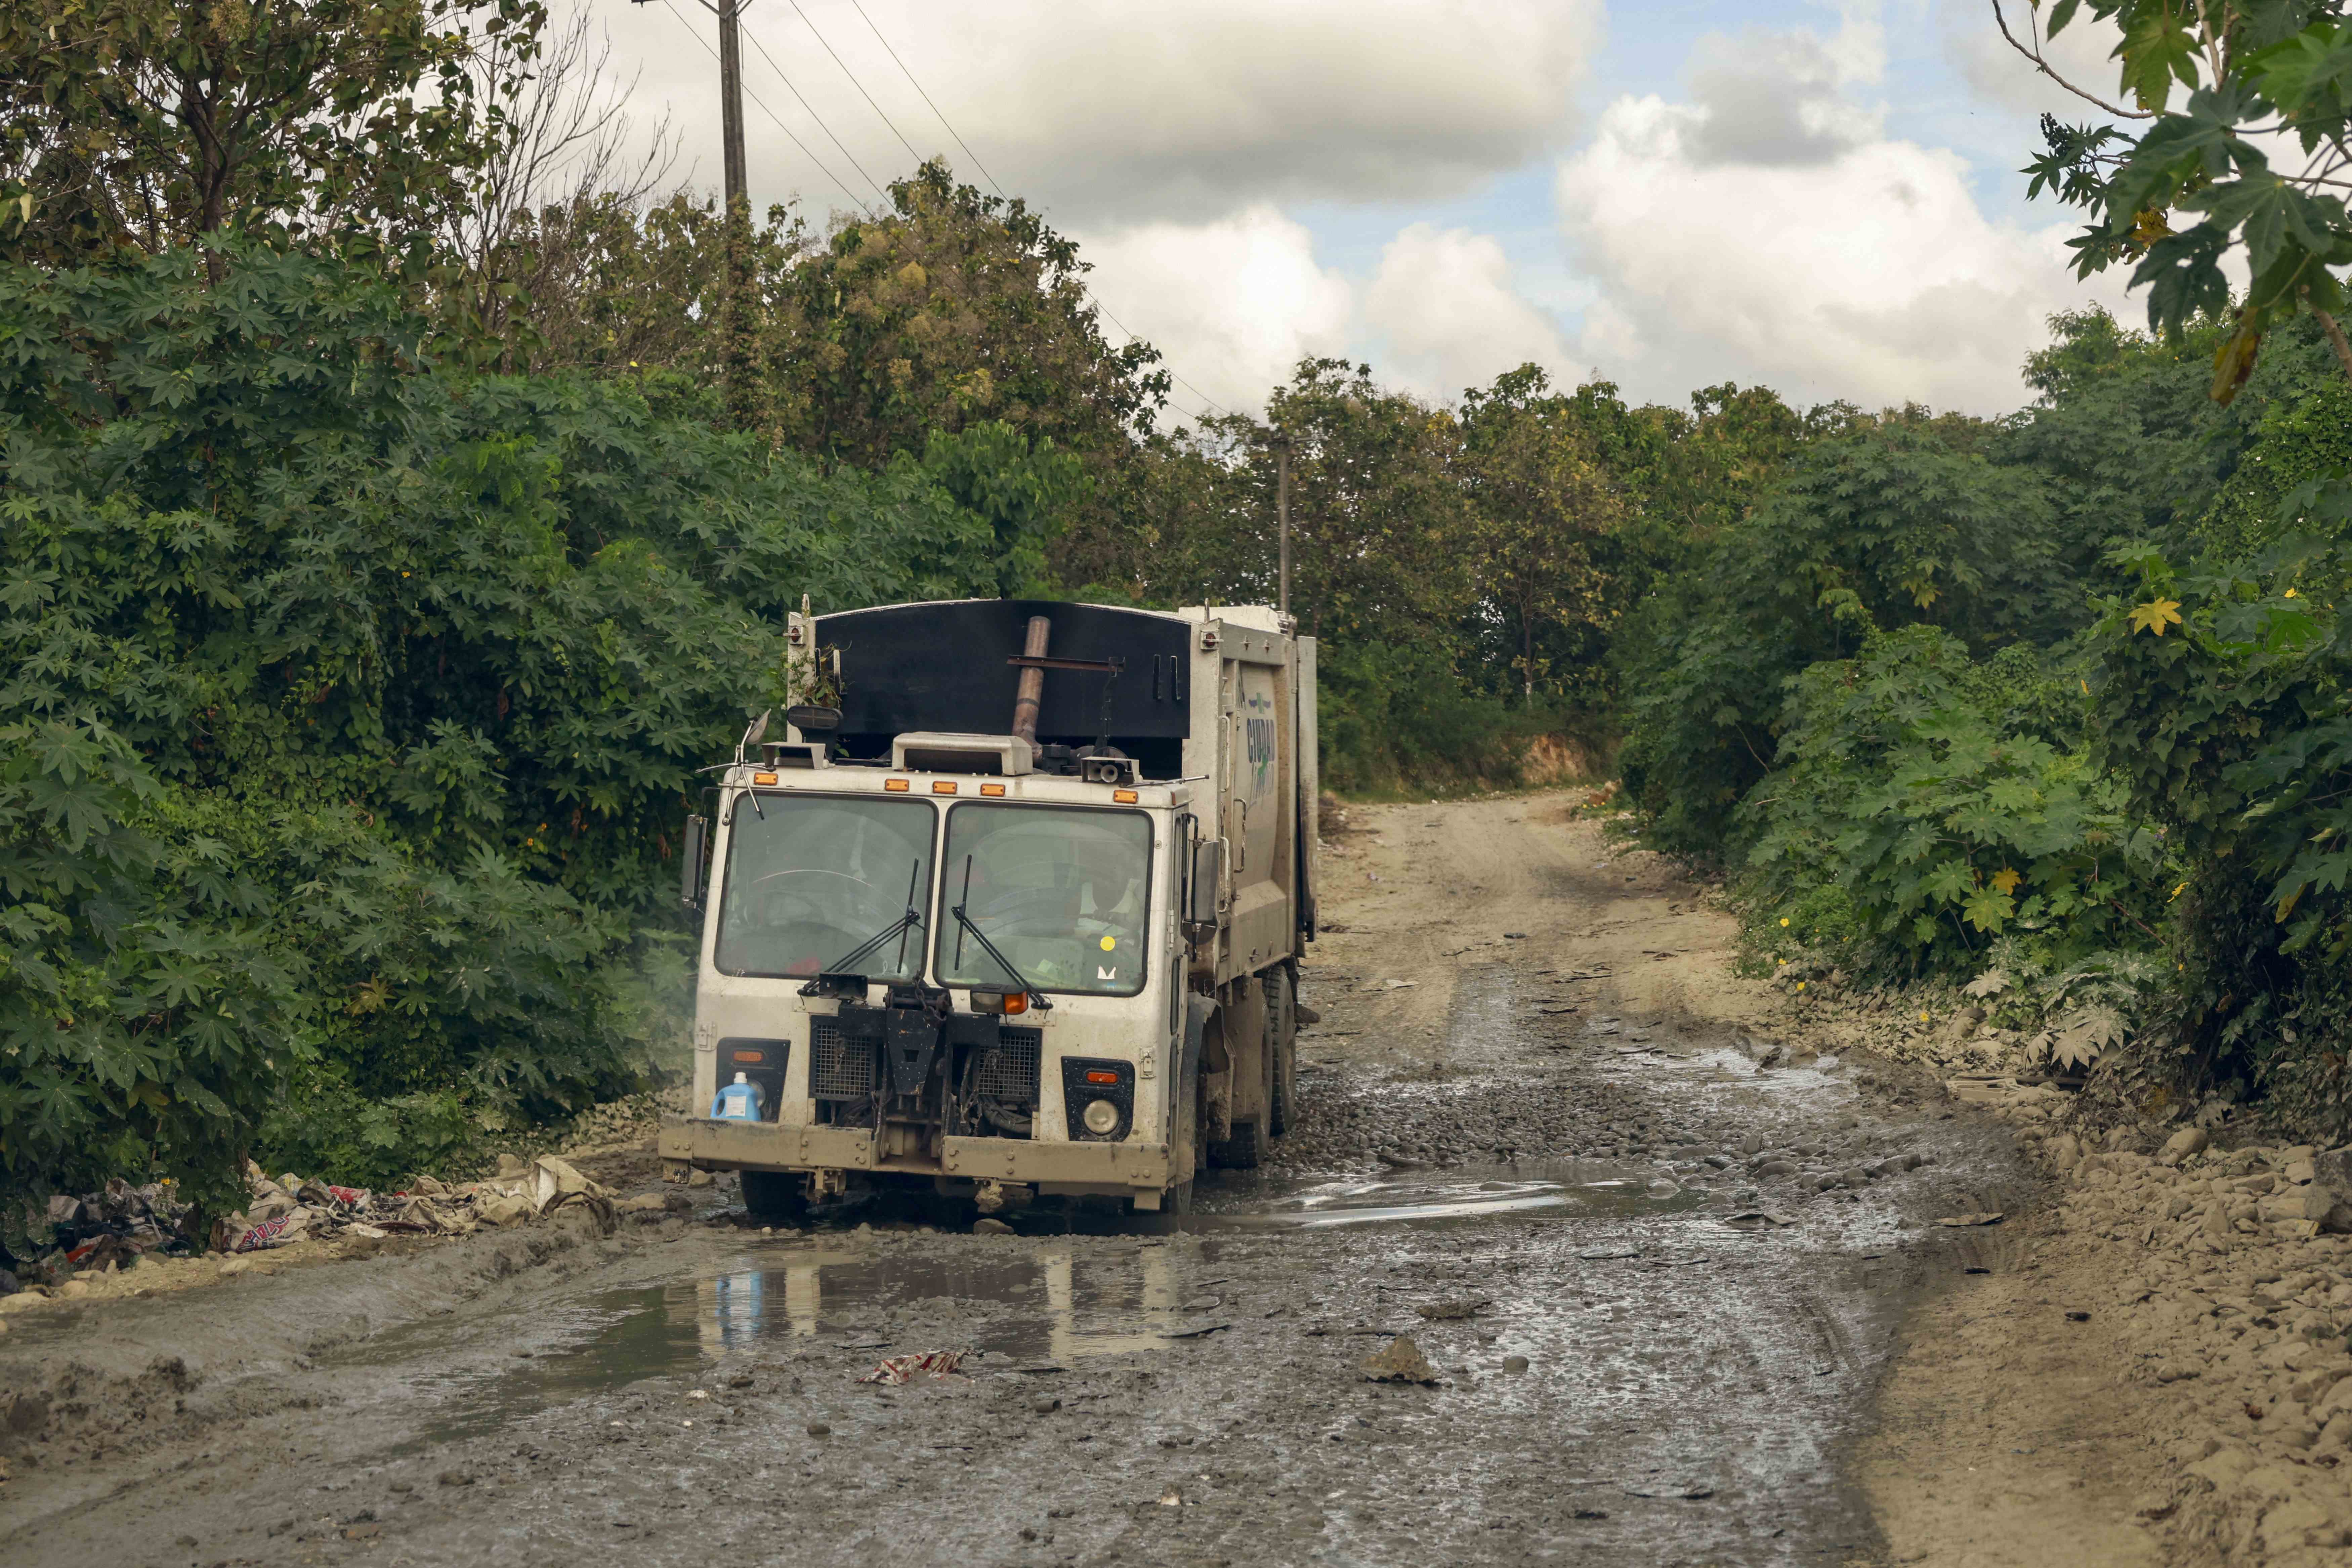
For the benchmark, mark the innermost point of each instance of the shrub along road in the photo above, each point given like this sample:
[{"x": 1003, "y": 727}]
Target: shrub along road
[{"x": 1657, "y": 1286}]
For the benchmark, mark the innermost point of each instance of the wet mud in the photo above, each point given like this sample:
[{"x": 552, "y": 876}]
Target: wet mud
[{"x": 1656, "y": 1331}]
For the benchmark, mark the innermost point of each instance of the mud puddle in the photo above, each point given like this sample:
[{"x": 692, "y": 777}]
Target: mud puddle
[{"x": 1578, "y": 1189}]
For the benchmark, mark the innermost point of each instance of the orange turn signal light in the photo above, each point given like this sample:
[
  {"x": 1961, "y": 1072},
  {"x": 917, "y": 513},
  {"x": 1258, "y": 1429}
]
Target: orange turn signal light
[
  {"x": 944, "y": 786},
  {"x": 1124, "y": 796},
  {"x": 763, "y": 778},
  {"x": 991, "y": 789},
  {"x": 750, "y": 1055},
  {"x": 895, "y": 787}
]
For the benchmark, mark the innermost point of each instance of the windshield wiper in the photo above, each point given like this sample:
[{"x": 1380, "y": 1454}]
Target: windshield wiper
[
  {"x": 911, "y": 920},
  {"x": 1036, "y": 997}
]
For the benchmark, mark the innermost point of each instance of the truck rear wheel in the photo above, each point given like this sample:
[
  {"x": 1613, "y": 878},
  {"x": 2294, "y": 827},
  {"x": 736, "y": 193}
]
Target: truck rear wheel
[
  {"x": 1282, "y": 1040},
  {"x": 776, "y": 1197},
  {"x": 1243, "y": 1151}
]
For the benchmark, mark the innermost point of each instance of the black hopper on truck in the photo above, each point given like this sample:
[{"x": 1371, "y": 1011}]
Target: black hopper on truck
[{"x": 949, "y": 668}]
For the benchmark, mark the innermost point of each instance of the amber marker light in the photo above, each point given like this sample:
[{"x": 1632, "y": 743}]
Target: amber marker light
[
  {"x": 991, "y": 790},
  {"x": 763, "y": 778},
  {"x": 1096, "y": 1075},
  {"x": 944, "y": 786},
  {"x": 895, "y": 787},
  {"x": 1124, "y": 796}
]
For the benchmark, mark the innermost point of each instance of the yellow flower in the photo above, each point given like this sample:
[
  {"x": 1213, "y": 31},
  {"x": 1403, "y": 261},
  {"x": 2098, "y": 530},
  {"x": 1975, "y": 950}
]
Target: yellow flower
[
  {"x": 1922, "y": 1015},
  {"x": 1800, "y": 985},
  {"x": 2290, "y": 593},
  {"x": 2177, "y": 892},
  {"x": 1784, "y": 919}
]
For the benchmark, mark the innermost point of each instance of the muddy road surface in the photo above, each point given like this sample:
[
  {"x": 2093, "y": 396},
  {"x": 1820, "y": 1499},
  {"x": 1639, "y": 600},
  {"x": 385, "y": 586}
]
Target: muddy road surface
[{"x": 1656, "y": 1283}]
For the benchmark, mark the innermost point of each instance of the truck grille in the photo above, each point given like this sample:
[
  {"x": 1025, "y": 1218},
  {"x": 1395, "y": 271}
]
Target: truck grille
[
  {"x": 840, "y": 1068},
  {"x": 1009, "y": 1070}
]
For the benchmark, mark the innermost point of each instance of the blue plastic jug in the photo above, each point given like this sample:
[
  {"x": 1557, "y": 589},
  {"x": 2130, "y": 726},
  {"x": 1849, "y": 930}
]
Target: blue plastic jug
[{"x": 739, "y": 1101}]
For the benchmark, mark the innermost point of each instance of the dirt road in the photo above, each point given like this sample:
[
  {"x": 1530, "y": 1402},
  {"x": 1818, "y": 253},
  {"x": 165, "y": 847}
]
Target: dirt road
[{"x": 1659, "y": 1286}]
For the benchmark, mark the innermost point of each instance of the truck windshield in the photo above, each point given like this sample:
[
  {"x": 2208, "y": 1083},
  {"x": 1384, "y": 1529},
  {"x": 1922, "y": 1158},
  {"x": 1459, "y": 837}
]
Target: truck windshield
[
  {"x": 1060, "y": 891},
  {"x": 811, "y": 877}
]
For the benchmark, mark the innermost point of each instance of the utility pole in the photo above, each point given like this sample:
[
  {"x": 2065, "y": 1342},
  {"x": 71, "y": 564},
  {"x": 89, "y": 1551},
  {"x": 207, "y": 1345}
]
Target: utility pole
[
  {"x": 731, "y": 93},
  {"x": 730, "y": 98},
  {"x": 737, "y": 310}
]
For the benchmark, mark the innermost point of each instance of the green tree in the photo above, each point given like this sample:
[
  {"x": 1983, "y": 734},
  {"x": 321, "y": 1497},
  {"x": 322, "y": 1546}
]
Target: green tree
[
  {"x": 348, "y": 704},
  {"x": 951, "y": 307},
  {"x": 1547, "y": 516},
  {"x": 2255, "y": 72},
  {"x": 147, "y": 124}
]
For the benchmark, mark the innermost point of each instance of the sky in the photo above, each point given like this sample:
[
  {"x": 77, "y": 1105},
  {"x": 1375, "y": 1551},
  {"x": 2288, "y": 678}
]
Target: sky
[{"x": 1820, "y": 195}]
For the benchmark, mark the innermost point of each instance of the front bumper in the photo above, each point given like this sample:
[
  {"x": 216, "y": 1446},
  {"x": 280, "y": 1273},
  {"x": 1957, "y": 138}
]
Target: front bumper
[{"x": 1051, "y": 1167}]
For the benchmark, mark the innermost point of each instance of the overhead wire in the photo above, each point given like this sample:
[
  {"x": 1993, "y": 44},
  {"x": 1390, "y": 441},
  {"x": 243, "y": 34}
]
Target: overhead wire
[
  {"x": 812, "y": 114},
  {"x": 942, "y": 114},
  {"x": 860, "y": 86},
  {"x": 925, "y": 97},
  {"x": 843, "y": 185},
  {"x": 770, "y": 113}
]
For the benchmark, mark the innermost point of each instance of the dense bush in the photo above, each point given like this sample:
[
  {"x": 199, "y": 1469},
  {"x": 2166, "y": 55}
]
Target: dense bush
[
  {"x": 348, "y": 704},
  {"x": 2226, "y": 711},
  {"x": 1905, "y": 522},
  {"x": 1924, "y": 807}
]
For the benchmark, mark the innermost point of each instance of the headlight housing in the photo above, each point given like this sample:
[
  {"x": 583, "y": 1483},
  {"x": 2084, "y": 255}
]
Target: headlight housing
[{"x": 1097, "y": 1099}]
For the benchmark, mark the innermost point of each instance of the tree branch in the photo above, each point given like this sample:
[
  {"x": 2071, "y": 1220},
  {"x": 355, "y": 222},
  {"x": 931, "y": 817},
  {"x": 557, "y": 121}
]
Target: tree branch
[
  {"x": 2335, "y": 339},
  {"x": 2043, "y": 66}
]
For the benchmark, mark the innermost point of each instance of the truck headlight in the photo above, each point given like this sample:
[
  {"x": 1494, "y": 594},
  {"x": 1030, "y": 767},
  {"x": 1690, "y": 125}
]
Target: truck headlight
[{"x": 1102, "y": 1117}]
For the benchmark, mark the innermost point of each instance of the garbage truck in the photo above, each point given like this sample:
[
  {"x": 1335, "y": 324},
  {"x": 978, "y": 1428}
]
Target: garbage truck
[{"x": 1012, "y": 905}]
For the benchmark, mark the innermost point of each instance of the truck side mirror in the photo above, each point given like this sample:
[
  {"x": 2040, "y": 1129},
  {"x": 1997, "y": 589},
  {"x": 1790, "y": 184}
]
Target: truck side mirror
[
  {"x": 1206, "y": 881},
  {"x": 690, "y": 879}
]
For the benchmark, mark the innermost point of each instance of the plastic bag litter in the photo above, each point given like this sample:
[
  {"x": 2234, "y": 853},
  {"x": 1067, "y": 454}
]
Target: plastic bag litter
[
  {"x": 279, "y": 1232},
  {"x": 897, "y": 1369}
]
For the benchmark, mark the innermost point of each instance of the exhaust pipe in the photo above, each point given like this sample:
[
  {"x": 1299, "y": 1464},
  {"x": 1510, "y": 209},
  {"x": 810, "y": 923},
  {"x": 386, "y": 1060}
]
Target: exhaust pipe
[{"x": 1032, "y": 689}]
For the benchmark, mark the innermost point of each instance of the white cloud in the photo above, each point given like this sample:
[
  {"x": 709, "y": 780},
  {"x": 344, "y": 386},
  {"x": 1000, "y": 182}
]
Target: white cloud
[
  {"x": 1870, "y": 275},
  {"x": 1107, "y": 111},
  {"x": 1777, "y": 97},
  {"x": 1444, "y": 309},
  {"x": 1232, "y": 304}
]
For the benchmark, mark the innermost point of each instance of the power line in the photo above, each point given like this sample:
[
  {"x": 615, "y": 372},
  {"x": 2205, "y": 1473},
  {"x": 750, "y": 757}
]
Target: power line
[
  {"x": 770, "y": 113},
  {"x": 1136, "y": 337},
  {"x": 925, "y": 97},
  {"x": 960, "y": 142},
  {"x": 812, "y": 114},
  {"x": 860, "y": 86}
]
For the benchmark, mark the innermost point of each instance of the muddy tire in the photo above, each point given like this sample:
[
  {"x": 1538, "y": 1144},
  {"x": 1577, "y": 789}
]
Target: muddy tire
[
  {"x": 1177, "y": 1199},
  {"x": 1243, "y": 1151},
  {"x": 1281, "y": 1038},
  {"x": 776, "y": 1197}
]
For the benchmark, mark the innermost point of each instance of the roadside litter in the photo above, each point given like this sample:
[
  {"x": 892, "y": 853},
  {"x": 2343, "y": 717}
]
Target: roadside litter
[
  {"x": 1401, "y": 1361},
  {"x": 290, "y": 1209},
  {"x": 897, "y": 1369},
  {"x": 113, "y": 1228}
]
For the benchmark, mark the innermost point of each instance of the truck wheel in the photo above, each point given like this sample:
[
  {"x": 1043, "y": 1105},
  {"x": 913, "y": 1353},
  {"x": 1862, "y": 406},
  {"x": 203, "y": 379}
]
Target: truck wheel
[
  {"x": 1281, "y": 1030},
  {"x": 1243, "y": 1151},
  {"x": 1177, "y": 1199},
  {"x": 776, "y": 1196}
]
